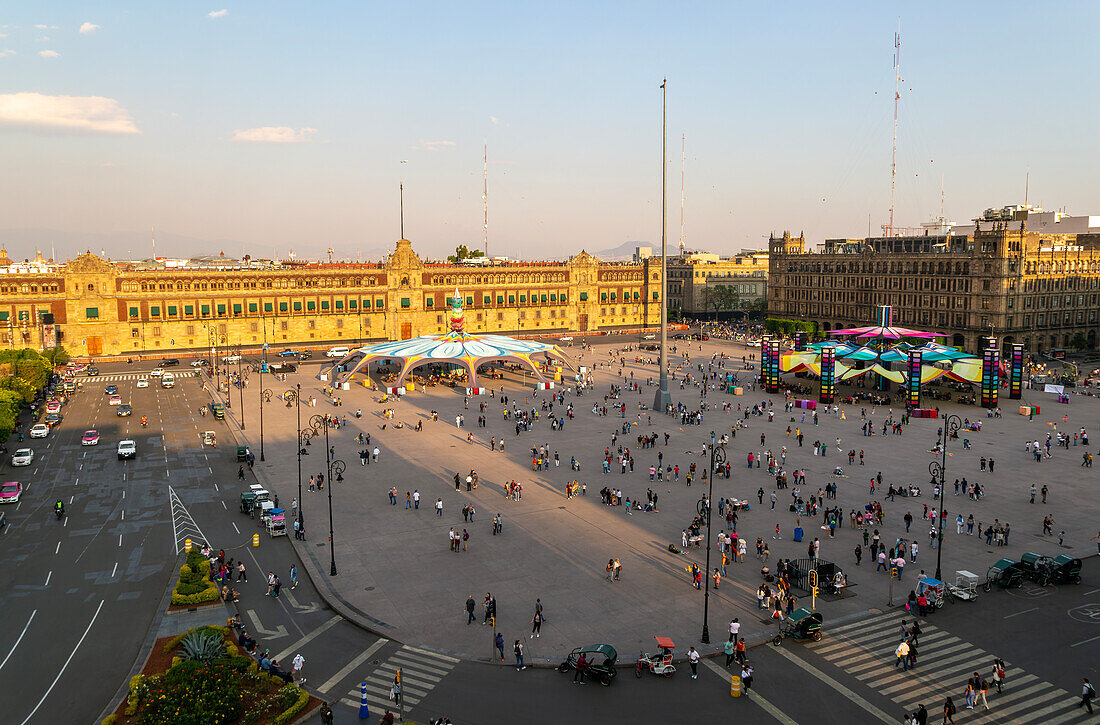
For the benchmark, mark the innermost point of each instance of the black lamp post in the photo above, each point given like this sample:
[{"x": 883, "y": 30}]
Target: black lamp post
[
  {"x": 717, "y": 460},
  {"x": 335, "y": 470},
  {"x": 938, "y": 469},
  {"x": 288, "y": 396},
  {"x": 240, "y": 383},
  {"x": 265, "y": 397}
]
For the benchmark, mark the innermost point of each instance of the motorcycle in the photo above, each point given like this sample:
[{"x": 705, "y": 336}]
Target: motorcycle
[{"x": 60, "y": 513}]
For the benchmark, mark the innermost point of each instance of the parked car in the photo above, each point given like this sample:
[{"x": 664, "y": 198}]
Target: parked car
[
  {"x": 22, "y": 457},
  {"x": 40, "y": 430},
  {"x": 126, "y": 449},
  {"x": 10, "y": 492},
  {"x": 90, "y": 438},
  {"x": 338, "y": 352},
  {"x": 282, "y": 367},
  {"x": 169, "y": 362},
  {"x": 231, "y": 358},
  {"x": 124, "y": 410},
  {"x": 198, "y": 363},
  {"x": 289, "y": 353},
  {"x": 305, "y": 355}
]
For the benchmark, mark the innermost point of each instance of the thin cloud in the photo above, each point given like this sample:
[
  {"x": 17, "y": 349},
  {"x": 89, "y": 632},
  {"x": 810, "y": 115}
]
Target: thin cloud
[
  {"x": 6, "y": 52},
  {"x": 46, "y": 27},
  {"x": 49, "y": 54},
  {"x": 217, "y": 13},
  {"x": 88, "y": 28},
  {"x": 434, "y": 146},
  {"x": 274, "y": 134},
  {"x": 495, "y": 121},
  {"x": 80, "y": 114}
]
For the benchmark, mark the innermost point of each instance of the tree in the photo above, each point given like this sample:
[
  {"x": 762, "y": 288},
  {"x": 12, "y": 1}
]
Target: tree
[
  {"x": 1079, "y": 341},
  {"x": 56, "y": 356},
  {"x": 462, "y": 252},
  {"x": 721, "y": 297}
]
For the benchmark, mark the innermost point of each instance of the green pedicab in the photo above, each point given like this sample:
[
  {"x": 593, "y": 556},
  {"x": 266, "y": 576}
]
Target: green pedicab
[
  {"x": 601, "y": 662},
  {"x": 802, "y": 623},
  {"x": 1067, "y": 570},
  {"x": 1038, "y": 568},
  {"x": 1005, "y": 573}
]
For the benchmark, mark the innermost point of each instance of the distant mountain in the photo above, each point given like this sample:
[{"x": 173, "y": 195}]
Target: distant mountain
[
  {"x": 24, "y": 243},
  {"x": 624, "y": 252}
]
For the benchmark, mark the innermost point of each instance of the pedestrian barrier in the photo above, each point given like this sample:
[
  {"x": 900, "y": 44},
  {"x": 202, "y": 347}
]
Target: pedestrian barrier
[
  {"x": 255, "y": 539},
  {"x": 735, "y": 686}
]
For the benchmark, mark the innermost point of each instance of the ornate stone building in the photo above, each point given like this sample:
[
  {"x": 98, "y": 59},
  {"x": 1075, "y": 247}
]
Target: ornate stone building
[
  {"x": 1030, "y": 287},
  {"x": 105, "y": 308},
  {"x": 691, "y": 275}
]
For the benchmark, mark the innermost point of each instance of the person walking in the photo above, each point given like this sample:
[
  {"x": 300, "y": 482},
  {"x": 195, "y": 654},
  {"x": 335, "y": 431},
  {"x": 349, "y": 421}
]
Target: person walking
[
  {"x": 746, "y": 677},
  {"x": 293, "y": 576},
  {"x": 470, "y": 605},
  {"x": 730, "y": 649},
  {"x": 536, "y": 623},
  {"x": 949, "y": 711},
  {"x": 296, "y": 668},
  {"x": 1088, "y": 692},
  {"x": 498, "y": 642},
  {"x": 517, "y": 648},
  {"x": 735, "y": 629},
  {"x": 582, "y": 666},
  {"x": 998, "y": 674},
  {"x": 693, "y": 660},
  {"x": 241, "y": 575},
  {"x": 901, "y": 655}
]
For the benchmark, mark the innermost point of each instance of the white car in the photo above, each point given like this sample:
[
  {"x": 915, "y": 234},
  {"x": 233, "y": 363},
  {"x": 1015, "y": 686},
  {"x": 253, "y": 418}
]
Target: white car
[
  {"x": 41, "y": 430},
  {"x": 143, "y": 382},
  {"x": 231, "y": 358},
  {"x": 197, "y": 363},
  {"x": 126, "y": 449},
  {"x": 649, "y": 337},
  {"x": 567, "y": 338},
  {"x": 22, "y": 457},
  {"x": 156, "y": 372},
  {"x": 338, "y": 352}
]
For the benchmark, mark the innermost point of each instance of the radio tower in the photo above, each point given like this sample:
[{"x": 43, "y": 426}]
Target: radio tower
[
  {"x": 485, "y": 197},
  {"x": 683, "y": 160},
  {"x": 894, "y": 152}
]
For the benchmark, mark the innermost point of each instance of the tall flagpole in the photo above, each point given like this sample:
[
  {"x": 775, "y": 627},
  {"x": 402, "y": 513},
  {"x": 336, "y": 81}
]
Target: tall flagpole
[{"x": 661, "y": 400}]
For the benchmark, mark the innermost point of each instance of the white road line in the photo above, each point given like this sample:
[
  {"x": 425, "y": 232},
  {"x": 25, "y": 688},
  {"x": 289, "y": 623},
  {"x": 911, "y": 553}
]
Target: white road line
[
  {"x": 78, "y": 480},
  {"x": 1090, "y": 593},
  {"x": 753, "y": 695},
  {"x": 1085, "y": 641},
  {"x": 120, "y": 539},
  {"x": 224, "y": 506},
  {"x": 235, "y": 527},
  {"x": 48, "y": 575},
  {"x": 20, "y": 639},
  {"x": 66, "y": 522},
  {"x": 1033, "y": 609},
  {"x": 858, "y": 700},
  {"x": 350, "y": 666},
  {"x": 62, "y": 671},
  {"x": 216, "y": 488},
  {"x": 123, "y": 514},
  {"x": 71, "y": 500},
  {"x": 58, "y": 547},
  {"x": 307, "y": 638},
  {"x": 114, "y": 570}
]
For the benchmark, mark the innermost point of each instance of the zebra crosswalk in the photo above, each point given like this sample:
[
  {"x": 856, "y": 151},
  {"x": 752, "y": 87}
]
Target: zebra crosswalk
[
  {"x": 865, "y": 650},
  {"x": 133, "y": 376},
  {"x": 421, "y": 671}
]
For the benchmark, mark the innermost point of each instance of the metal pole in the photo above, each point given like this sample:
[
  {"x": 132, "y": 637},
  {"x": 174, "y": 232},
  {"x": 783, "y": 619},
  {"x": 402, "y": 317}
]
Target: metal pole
[
  {"x": 298, "y": 406},
  {"x": 261, "y": 412},
  {"x": 662, "y": 399},
  {"x": 705, "y": 639},
  {"x": 951, "y": 424},
  {"x": 240, "y": 382}
]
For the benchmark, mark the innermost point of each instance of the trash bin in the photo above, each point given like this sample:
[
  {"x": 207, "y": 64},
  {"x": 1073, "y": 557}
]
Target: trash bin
[{"x": 798, "y": 534}]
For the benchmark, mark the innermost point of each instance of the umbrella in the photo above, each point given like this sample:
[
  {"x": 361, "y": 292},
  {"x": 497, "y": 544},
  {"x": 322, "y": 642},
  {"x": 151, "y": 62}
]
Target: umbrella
[{"x": 364, "y": 709}]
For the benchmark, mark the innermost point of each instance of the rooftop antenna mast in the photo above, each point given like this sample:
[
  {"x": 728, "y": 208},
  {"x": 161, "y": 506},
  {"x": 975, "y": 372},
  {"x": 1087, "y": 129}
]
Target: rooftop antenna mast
[
  {"x": 683, "y": 163},
  {"x": 401, "y": 207},
  {"x": 1027, "y": 185},
  {"x": 485, "y": 197},
  {"x": 894, "y": 152},
  {"x": 153, "y": 237}
]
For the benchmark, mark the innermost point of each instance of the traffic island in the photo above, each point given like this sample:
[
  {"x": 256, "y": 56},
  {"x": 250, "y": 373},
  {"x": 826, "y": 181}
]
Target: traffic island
[{"x": 200, "y": 677}]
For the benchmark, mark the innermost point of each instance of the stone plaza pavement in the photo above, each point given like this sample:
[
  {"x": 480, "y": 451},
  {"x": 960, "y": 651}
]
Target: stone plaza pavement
[{"x": 398, "y": 577}]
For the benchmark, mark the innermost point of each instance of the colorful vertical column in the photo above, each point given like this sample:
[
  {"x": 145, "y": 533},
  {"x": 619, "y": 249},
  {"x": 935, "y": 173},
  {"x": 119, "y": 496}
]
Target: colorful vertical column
[
  {"x": 771, "y": 383},
  {"x": 1016, "y": 375},
  {"x": 765, "y": 351},
  {"x": 912, "y": 384},
  {"x": 884, "y": 316},
  {"x": 991, "y": 372},
  {"x": 800, "y": 341},
  {"x": 828, "y": 375}
]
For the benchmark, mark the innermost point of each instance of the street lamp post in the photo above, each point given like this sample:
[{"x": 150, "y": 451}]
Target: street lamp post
[
  {"x": 288, "y": 396},
  {"x": 717, "y": 460},
  {"x": 938, "y": 469},
  {"x": 334, "y": 468},
  {"x": 662, "y": 399},
  {"x": 240, "y": 383}
]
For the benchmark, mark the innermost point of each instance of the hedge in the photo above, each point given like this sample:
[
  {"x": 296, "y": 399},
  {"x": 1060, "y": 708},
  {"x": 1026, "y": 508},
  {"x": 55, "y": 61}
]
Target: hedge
[
  {"x": 109, "y": 720},
  {"x": 195, "y": 585},
  {"x": 288, "y": 714},
  {"x": 137, "y": 689},
  {"x": 789, "y": 327}
]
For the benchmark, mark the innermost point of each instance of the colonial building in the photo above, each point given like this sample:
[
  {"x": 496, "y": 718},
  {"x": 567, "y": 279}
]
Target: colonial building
[
  {"x": 105, "y": 308},
  {"x": 692, "y": 274},
  {"x": 1031, "y": 287}
]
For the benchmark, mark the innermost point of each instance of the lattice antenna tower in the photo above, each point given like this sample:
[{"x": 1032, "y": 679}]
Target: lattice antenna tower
[
  {"x": 894, "y": 151},
  {"x": 683, "y": 163}
]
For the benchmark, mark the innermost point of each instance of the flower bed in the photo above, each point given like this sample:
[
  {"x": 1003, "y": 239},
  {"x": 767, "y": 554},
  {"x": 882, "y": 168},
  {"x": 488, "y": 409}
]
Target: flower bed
[{"x": 227, "y": 689}]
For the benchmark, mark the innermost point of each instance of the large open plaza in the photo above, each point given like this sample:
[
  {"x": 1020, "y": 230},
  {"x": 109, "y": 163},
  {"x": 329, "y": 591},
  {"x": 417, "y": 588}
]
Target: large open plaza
[{"x": 397, "y": 572}]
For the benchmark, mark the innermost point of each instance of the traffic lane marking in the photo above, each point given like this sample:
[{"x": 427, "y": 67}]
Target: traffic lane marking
[
  {"x": 848, "y": 693},
  {"x": 1016, "y": 614},
  {"x": 1093, "y": 639},
  {"x": 19, "y": 639},
  {"x": 766, "y": 706},
  {"x": 70, "y": 659},
  {"x": 306, "y": 639},
  {"x": 350, "y": 666}
]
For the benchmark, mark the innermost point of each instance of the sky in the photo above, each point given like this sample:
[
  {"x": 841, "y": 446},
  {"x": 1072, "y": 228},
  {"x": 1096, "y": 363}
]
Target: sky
[{"x": 271, "y": 127}]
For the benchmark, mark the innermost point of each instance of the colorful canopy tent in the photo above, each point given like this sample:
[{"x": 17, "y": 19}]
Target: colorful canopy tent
[{"x": 456, "y": 347}]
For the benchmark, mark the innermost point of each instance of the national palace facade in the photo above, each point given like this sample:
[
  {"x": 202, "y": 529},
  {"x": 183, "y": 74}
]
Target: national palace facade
[
  {"x": 100, "y": 307},
  {"x": 1030, "y": 287}
]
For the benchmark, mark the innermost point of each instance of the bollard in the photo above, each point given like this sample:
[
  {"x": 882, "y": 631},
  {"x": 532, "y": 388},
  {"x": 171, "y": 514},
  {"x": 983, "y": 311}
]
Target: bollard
[
  {"x": 187, "y": 545},
  {"x": 735, "y": 686},
  {"x": 255, "y": 539}
]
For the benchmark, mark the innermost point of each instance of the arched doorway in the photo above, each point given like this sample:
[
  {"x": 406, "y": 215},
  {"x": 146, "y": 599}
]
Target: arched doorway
[{"x": 958, "y": 340}]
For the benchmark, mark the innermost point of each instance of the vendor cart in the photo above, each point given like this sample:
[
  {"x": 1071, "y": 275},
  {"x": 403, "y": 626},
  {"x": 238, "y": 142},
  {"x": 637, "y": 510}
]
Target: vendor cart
[
  {"x": 276, "y": 523},
  {"x": 965, "y": 586},
  {"x": 934, "y": 590}
]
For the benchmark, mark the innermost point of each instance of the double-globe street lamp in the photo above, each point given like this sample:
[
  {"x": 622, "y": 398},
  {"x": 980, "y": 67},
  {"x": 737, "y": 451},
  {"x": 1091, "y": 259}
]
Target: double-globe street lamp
[
  {"x": 717, "y": 461},
  {"x": 335, "y": 472},
  {"x": 938, "y": 469}
]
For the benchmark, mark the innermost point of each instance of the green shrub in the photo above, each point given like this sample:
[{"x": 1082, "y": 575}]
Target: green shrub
[
  {"x": 287, "y": 715},
  {"x": 109, "y": 720},
  {"x": 202, "y": 647},
  {"x": 193, "y": 693},
  {"x": 138, "y": 688},
  {"x": 206, "y": 595}
]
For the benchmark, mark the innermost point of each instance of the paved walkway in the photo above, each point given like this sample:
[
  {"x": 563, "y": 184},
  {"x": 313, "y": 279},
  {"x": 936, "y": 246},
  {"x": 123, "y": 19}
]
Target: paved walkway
[{"x": 397, "y": 576}]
